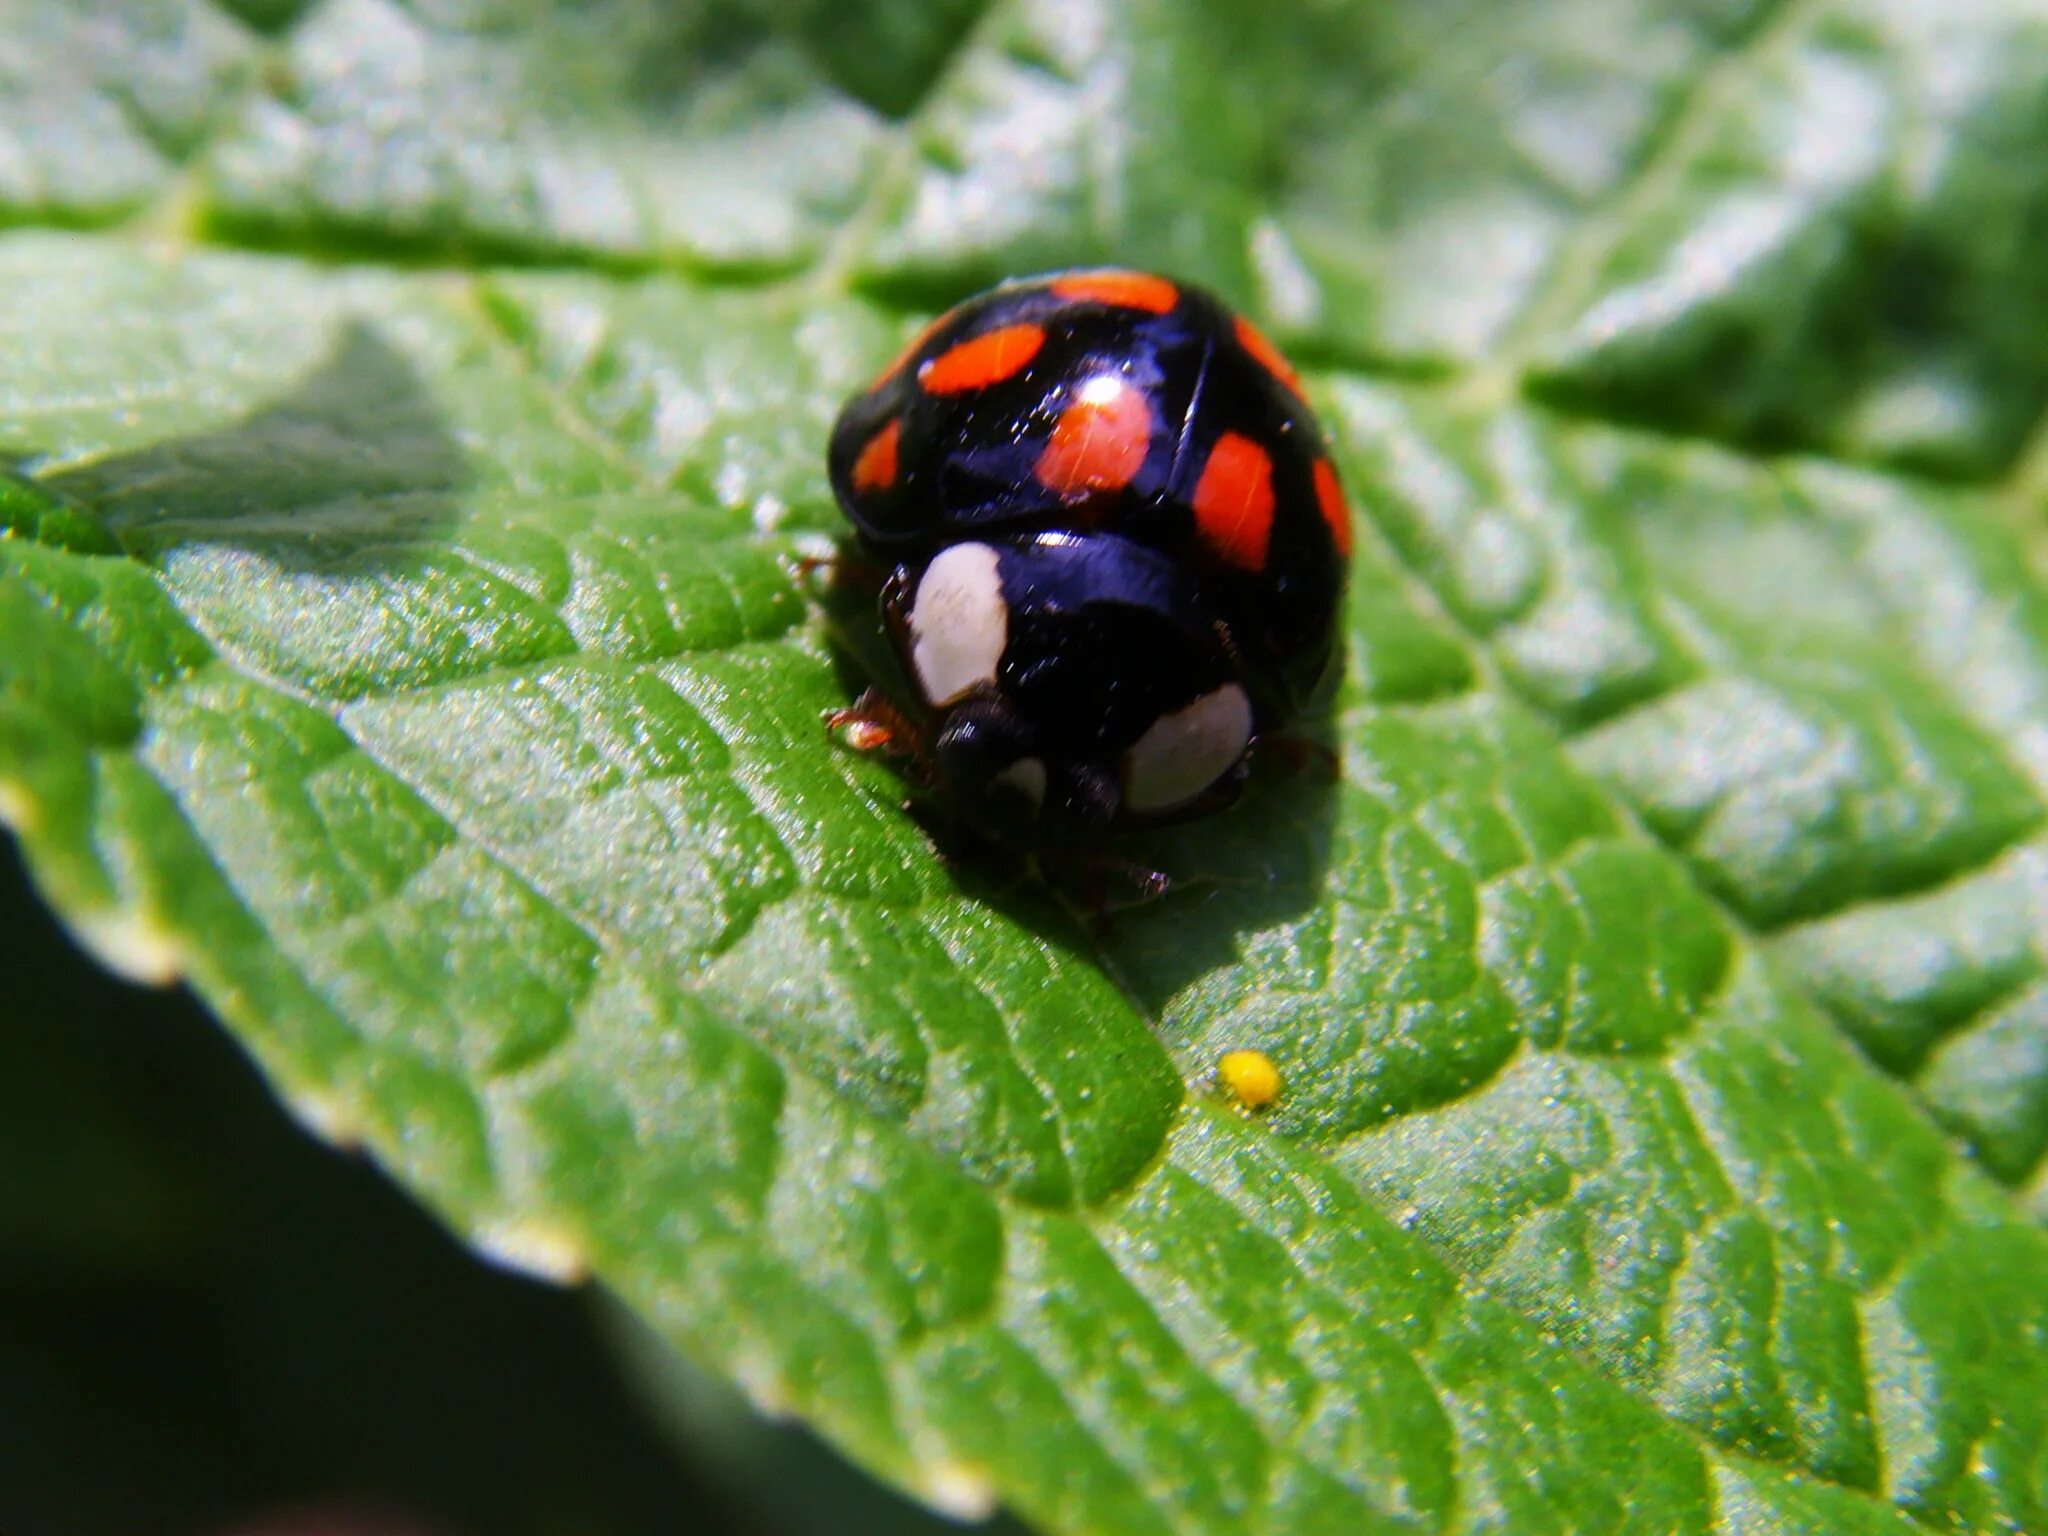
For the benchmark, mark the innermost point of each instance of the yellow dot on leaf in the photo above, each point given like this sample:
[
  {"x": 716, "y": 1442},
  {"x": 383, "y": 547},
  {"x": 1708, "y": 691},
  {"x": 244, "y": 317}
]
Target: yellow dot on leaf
[{"x": 1249, "y": 1077}]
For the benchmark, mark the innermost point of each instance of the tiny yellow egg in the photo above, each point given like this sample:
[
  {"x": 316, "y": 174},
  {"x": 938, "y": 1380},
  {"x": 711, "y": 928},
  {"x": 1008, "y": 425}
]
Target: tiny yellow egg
[{"x": 1249, "y": 1077}]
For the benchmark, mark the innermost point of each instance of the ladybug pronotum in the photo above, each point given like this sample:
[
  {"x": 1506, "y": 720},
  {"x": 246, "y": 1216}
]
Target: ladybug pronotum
[{"x": 1116, "y": 545}]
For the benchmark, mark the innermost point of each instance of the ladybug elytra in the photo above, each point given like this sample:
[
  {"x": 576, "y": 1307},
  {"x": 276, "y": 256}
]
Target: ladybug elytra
[{"x": 1116, "y": 547}]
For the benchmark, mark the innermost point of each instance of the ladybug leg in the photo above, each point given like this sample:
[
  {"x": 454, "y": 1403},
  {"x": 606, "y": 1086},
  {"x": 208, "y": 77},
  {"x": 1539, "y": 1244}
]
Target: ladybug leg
[
  {"x": 1143, "y": 882},
  {"x": 1102, "y": 883},
  {"x": 842, "y": 571},
  {"x": 873, "y": 723}
]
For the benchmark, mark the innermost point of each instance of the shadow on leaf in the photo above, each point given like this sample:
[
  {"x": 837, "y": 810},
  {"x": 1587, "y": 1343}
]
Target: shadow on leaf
[
  {"x": 1261, "y": 865},
  {"x": 318, "y": 540},
  {"x": 352, "y": 460}
]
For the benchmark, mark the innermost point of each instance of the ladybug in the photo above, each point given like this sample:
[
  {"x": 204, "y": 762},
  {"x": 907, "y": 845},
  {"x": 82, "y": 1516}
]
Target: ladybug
[{"x": 1115, "y": 547}]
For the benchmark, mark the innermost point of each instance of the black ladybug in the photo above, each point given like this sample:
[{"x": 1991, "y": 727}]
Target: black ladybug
[{"x": 1116, "y": 546}]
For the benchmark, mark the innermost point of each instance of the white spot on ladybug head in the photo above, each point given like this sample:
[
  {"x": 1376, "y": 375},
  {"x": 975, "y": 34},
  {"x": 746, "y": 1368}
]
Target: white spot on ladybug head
[
  {"x": 1187, "y": 751},
  {"x": 1027, "y": 777},
  {"x": 959, "y": 623}
]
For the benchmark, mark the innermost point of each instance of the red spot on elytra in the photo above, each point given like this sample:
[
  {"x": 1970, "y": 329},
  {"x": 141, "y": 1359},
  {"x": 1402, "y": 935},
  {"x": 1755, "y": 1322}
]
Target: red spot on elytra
[
  {"x": 1268, "y": 357},
  {"x": 1234, "y": 501},
  {"x": 1099, "y": 442},
  {"x": 1336, "y": 512},
  {"x": 875, "y": 469},
  {"x": 1127, "y": 290},
  {"x": 984, "y": 360}
]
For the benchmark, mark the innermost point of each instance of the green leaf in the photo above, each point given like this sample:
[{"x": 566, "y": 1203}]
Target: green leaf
[{"x": 401, "y": 638}]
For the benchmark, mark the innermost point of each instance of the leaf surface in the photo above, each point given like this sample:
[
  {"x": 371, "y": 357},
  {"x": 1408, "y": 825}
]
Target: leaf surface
[{"x": 414, "y": 425}]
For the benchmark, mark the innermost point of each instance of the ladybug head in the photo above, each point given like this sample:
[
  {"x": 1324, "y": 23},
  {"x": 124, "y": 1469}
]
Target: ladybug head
[{"x": 1074, "y": 682}]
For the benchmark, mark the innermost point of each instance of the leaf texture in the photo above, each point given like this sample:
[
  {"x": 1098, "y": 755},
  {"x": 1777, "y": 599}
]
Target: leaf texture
[{"x": 415, "y": 414}]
